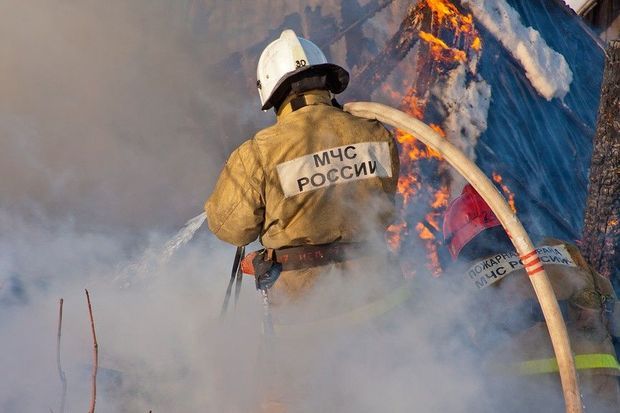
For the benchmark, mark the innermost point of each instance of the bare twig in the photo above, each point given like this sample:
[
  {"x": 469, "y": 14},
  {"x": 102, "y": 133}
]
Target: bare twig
[
  {"x": 61, "y": 373},
  {"x": 95, "y": 355}
]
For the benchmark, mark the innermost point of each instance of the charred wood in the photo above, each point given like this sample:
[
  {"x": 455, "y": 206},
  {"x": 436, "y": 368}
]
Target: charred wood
[
  {"x": 372, "y": 74},
  {"x": 601, "y": 232}
]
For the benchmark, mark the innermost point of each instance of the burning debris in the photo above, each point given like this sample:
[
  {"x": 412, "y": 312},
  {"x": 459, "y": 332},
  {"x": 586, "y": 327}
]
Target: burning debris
[
  {"x": 442, "y": 65},
  {"x": 443, "y": 88},
  {"x": 443, "y": 83},
  {"x": 431, "y": 66},
  {"x": 510, "y": 196}
]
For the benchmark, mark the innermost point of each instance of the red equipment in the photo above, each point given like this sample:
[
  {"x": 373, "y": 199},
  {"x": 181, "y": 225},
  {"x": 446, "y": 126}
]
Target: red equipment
[{"x": 466, "y": 216}]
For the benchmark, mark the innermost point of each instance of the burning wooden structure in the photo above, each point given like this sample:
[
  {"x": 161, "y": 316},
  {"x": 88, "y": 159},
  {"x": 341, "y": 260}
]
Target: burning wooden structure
[
  {"x": 445, "y": 67},
  {"x": 601, "y": 233},
  {"x": 447, "y": 40},
  {"x": 447, "y": 47}
]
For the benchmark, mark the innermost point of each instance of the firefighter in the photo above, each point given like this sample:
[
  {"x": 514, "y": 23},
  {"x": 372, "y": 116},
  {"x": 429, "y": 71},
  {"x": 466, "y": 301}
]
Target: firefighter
[
  {"x": 317, "y": 189},
  {"x": 508, "y": 327},
  {"x": 318, "y": 186}
]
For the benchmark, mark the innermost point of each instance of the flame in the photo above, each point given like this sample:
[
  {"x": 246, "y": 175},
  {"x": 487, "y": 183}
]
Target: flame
[
  {"x": 442, "y": 9},
  {"x": 440, "y": 50},
  {"x": 441, "y": 198},
  {"x": 438, "y": 129},
  {"x": 394, "y": 233},
  {"x": 497, "y": 178},
  {"x": 476, "y": 44},
  {"x": 424, "y": 232},
  {"x": 448, "y": 39},
  {"x": 413, "y": 105},
  {"x": 446, "y": 13}
]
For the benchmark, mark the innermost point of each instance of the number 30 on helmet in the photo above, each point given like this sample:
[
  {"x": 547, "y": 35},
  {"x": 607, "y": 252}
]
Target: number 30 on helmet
[{"x": 290, "y": 58}]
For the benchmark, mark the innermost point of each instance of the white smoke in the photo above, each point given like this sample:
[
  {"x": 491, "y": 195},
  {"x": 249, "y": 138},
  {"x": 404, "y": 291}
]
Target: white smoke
[
  {"x": 103, "y": 116},
  {"x": 466, "y": 106},
  {"x": 110, "y": 138}
]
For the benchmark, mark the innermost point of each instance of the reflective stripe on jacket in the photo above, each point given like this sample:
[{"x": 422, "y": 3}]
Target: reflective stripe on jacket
[
  {"x": 595, "y": 361},
  {"x": 524, "y": 342}
]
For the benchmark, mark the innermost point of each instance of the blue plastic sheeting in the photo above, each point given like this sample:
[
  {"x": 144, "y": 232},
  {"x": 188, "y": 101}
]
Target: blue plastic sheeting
[{"x": 542, "y": 148}]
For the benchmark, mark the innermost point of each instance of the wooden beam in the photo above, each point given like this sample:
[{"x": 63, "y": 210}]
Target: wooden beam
[
  {"x": 601, "y": 231},
  {"x": 370, "y": 76}
]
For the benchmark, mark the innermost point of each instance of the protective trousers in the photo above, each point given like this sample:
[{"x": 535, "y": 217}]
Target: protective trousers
[{"x": 315, "y": 311}]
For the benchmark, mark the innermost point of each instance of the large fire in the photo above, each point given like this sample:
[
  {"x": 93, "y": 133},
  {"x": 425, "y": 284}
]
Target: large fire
[{"x": 449, "y": 39}]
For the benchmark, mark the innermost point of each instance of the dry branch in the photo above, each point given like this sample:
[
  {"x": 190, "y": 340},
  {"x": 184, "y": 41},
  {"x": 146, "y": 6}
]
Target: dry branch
[
  {"x": 61, "y": 373},
  {"x": 95, "y": 356}
]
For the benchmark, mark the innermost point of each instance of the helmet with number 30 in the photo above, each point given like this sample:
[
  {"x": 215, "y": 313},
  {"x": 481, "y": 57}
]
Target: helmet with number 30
[{"x": 289, "y": 59}]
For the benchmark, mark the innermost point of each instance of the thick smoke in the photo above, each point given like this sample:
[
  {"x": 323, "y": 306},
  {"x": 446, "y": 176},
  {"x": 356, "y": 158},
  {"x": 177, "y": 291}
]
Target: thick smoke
[
  {"x": 108, "y": 113},
  {"x": 113, "y": 129}
]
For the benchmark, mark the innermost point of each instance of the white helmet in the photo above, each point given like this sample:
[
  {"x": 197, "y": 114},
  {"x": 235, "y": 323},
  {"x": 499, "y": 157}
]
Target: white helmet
[{"x": 285, "y": 58}]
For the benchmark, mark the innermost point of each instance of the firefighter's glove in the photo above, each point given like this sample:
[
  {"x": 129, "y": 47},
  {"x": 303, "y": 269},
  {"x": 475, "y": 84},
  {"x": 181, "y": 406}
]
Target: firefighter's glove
[
  {"x": 266, "y": 270},
  {"x": 268, "y": 279}
]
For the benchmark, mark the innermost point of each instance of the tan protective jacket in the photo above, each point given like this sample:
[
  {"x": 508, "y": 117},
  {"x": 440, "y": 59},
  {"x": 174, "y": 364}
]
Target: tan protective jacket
[
  {"x": 317, "y": 176},
  {"x": 528, "y": 351}
]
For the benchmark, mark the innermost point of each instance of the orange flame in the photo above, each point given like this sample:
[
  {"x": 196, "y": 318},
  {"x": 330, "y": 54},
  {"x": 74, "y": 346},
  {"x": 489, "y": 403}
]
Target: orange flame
[
  {"x": 438, "y": 129},
  {"x": 441, "y": 198},
  {"x": 425, "y": 199},
  {"x": 441, "y": 9},
  {"x": 476, "y": 44},
  {"x": 440, "y": 50},
  {"x": 424, "y": 232},
  {"x": 394, "y": 232},
  {"x": 507, "y": 192}
]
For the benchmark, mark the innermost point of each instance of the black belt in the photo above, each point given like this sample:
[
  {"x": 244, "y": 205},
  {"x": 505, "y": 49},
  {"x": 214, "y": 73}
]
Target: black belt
[{"x": 295, "y": 258}]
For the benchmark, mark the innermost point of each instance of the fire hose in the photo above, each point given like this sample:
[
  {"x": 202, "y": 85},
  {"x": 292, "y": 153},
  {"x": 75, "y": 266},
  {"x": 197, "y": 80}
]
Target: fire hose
[
  {"x": 236, "y": 277},
  {"x": 513, "y": 227}
]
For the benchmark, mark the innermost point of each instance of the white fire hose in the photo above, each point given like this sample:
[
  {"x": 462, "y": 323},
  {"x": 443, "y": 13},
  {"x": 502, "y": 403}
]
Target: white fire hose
[{"x": 512, "y": 226}]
